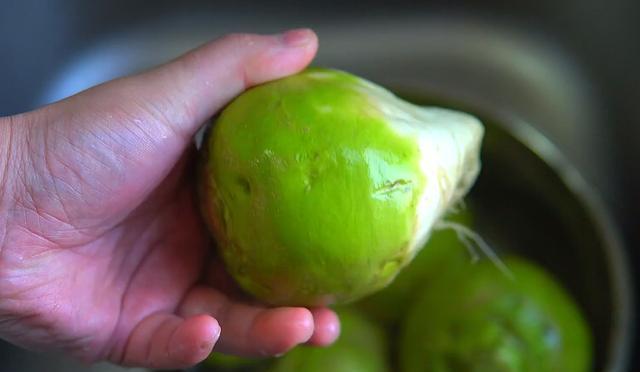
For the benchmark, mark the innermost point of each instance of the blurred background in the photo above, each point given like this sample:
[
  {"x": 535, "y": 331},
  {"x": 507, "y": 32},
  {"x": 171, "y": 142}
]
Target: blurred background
[{"x": 568, "y": 68}]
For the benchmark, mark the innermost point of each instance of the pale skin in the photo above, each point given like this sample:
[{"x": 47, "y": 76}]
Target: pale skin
[{"x": 103, "y": 255}]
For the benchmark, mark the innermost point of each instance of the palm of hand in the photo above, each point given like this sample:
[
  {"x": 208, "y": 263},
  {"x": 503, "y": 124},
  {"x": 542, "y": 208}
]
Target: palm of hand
[{"x": 87, "y": 286}]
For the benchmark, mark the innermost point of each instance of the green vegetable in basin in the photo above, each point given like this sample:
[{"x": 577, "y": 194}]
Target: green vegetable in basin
[
  {"x": 360, "y": 348},
  {"x": 322, "y": 186},
  {"x": 218, "y": 362},
  {"x": 484, "y": 321}
]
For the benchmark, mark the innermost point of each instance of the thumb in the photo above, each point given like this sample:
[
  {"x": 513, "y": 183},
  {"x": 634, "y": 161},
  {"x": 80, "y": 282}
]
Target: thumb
[
  {"x": 184, "y": 93},
  {"x": 121, "y": 139}
]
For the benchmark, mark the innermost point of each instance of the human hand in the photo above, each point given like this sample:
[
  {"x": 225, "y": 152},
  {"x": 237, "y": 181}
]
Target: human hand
[{"x": 102, "y": 252}]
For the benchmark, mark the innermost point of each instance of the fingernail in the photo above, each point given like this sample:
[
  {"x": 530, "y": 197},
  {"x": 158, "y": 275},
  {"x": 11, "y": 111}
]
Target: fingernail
[
  {"x": 332, "y": 332},
  {"x": 216, "y": 332},
  {"x": 297, "y": 38},
  {"x": 214, "y": 337}
]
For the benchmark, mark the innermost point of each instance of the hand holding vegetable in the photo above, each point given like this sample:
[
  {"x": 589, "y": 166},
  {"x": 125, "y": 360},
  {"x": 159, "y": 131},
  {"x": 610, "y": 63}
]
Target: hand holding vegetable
[{"x": 102, "y": 253}]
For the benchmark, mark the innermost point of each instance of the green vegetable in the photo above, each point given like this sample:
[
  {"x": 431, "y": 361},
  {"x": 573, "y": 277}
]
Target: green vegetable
[
  {"x": 321, "y": 186},
  {"x": 360, "y": 348},
  {"x": 481, "y": 320},
  {"x": 217, "y": 362}
]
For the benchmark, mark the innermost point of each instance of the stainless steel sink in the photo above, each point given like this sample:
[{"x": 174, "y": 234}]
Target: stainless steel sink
[{"x": 558, "y": 67}]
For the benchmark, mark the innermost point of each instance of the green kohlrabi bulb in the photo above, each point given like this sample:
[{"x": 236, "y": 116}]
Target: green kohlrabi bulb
[
  {"x": 482, "y": 320},
  {"x": 218, "y": 362},
  {"x": 320, "y": 187}
]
